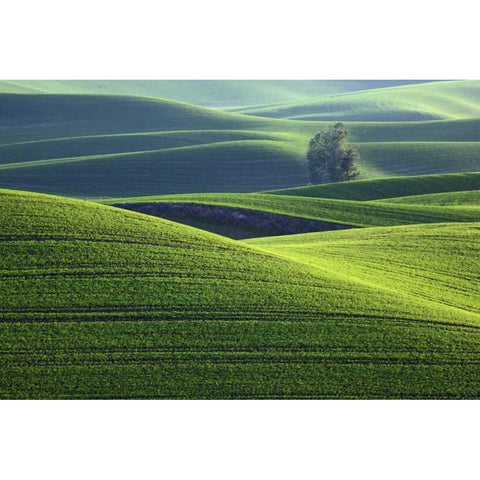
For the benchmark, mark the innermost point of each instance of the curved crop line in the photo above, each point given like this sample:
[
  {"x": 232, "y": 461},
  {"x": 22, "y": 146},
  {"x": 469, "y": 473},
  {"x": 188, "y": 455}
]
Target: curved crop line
[
  {"x": 373, "y": 285},
  {"x": 201, "y": 146},
  {"x": 254, "y": 133},
  {"x": 426, "y": 97}
]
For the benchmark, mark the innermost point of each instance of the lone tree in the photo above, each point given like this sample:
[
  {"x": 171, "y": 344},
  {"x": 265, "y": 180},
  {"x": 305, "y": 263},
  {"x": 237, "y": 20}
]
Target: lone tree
[{"x": 330, "y": 158}]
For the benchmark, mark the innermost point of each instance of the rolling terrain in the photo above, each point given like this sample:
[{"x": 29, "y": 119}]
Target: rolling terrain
[
  {"x": 469, "y": 197},
  {"x": 389, "y": 187},
  {"x": 119, "y": 289},
  {"x": 103, "y": 303},
  {"x": 425, "y": 101},
  {"x": 240, "y": 165},
  {"x": 71, "y": 144},
  {"x": 220, "y": 93},
  {"x": 427, "y": 261},
  {"x": 344, "y": 212}
]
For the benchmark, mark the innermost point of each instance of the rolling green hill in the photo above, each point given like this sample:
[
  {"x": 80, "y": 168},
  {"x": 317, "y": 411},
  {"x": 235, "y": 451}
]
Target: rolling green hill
[
  {"x": 202, "y": 92},
  {"x": 343, "y": 212},
  {"x": 435, "y": 262},
  {"x": 103, "y": 303},
  {"x": 427, "y": 101},
  {"x": 95, "y": 145},
  {"x": 461, "y": 198},
  {"x": 41, "y": 116},
  {"x": 131, "y": 145},
  {"x": 72, "y": 144},
  {"x": 241, "y": 165},
  {"x": 420, "y": 158},
  {"x": 385, "y": 188},
  {"x": 99, "y": 301},
  {"x": 260, "y": 161},
  {"x": 428, "y": 131}
]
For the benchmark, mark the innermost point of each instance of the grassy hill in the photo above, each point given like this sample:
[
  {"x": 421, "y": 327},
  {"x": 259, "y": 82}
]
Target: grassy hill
[
  {"x": 386, "y": 188},
  {"x": 44, "y": 117},
  {"x": 428, "y": 131},
  {"x": 130, "y": 145},
  {"x": 241, "y": 165},
  {"x": 202, "y": 92},
  {"x": 103, "y": 303},
  {"x": 427, "y": 101},
  {"x": 72, "y": 144},
  {"x": 96, "y": 145},
  {"x": 434, "y": 262},
  {"x": 417, "y": 148},
  {"x": 343, "y": 212},
  {"x": 461, "y": 198},
  {"x": 422, "y": 158},
  {"x": 40, "y": 116},
  {"x": 147, "y": 165}
]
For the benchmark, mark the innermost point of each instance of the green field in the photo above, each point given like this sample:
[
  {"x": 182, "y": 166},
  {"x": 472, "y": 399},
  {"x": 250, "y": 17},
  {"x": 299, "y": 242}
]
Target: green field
[
  {"x": 70, "y": 144},
  {"x": 102, "y": 303},
  {"x": 460, "y": 198},
  {"x": 388, "y": 187},
  {"x": 102, "y": 296},
  {"x": 427, "y": 101},
  {"x": 224, "y": 93},
  {"x": 427, "y": 261},
  {"x": 346, "y": 212},
  {"x": 240, "y": 165}
]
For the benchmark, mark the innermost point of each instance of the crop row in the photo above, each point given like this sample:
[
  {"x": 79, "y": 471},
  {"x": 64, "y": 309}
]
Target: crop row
[{"x": 203, "y": 380}]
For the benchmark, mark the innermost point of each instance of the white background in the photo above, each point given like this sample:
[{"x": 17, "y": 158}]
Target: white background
[
  {"x": 257, "y": 39},
  {"x": 251, "y": 40}
]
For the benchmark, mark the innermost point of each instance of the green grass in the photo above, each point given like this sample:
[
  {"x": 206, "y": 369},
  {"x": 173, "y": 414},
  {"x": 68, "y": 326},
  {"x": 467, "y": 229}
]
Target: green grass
[
  {"x": 345, "y": 212},
  {"x": 73, "y": 144},
  {"x": 202, "y": 161},
  {"x": 435, "y": 262},
  {"x": 389, "y": 187},
  {"x": 419, "y": 158},
  {"x": 45, "y": 235},
  {"x": 241, "y": 165},
  {"x": 98, "y": 302},
  {"x": 427, "y": 101},
  {"x": 201, "y": 92},
  {"x": 102, "y": 302},
  {"x": 94, "y": 145},
  {"x": 460, "y": 198},
  {"x": 428, "y": 131},
  {"x": 30, "y": 117}
]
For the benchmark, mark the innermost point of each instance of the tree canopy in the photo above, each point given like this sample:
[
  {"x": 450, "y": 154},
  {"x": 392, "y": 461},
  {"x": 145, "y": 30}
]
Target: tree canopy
[{"x": 330, "y": 158}]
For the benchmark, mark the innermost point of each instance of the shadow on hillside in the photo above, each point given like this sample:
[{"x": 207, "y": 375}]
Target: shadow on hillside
[{"x": 236, "y": 223}]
